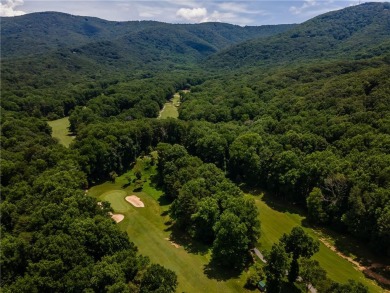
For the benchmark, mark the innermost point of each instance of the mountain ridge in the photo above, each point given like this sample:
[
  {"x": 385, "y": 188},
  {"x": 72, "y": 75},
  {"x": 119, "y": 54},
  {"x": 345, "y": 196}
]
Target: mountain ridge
[
  {"x": 52, "y": 30},
  {"x": 346, "y": 33}
]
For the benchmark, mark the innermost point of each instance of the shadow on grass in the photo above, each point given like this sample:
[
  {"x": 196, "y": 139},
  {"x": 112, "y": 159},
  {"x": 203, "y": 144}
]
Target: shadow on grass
[
  {"x": 280, "y": 204},
  {"x": 183, "y": 239},
  {"x": 97, "y": 181},
  {"x": 291, "y": 288},
  {"x": 283, "y": 205},
  {"x": 126, "y": 185},
  {"x": 164, "y": 200},
  {"x": 250, "y": 287},
  {"x": 214, "y": 270},
  {"x": 356, "y": 248}
]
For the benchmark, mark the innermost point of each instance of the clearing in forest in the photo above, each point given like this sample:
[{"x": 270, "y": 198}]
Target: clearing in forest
[
  {"x": 61, "y": 131},
  {"x": 170, "y": 109}
]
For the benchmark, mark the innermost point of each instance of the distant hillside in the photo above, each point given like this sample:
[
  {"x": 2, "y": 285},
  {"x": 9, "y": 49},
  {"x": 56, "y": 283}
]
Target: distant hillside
[
  {"x": 38, "y": 33},
  {"x": 361, "y": 31},
  {"x": 39, "y": 50}
]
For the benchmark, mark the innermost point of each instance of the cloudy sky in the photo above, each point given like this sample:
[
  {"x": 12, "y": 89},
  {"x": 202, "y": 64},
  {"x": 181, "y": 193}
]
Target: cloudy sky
[{"x": 239, "y": 12}]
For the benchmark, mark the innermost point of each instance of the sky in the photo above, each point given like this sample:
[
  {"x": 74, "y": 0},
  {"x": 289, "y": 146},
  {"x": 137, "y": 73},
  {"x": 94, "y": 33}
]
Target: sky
[{"x": 239, "y": 12}]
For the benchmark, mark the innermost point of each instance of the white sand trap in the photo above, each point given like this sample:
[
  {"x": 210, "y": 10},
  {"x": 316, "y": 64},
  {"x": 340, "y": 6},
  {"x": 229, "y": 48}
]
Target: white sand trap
[
  {"x": 135, "y": 201},
  {"x": 117, "y": 217}
]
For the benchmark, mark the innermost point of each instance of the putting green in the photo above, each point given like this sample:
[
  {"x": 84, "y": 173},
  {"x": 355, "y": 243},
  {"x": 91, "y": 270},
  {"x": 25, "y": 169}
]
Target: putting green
[{"x": 116, "y": 198}]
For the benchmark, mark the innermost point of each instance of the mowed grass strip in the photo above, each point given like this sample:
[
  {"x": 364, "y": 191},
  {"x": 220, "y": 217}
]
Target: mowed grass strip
[
  {"x": 170, "y": 109},
  {"x": 61, "y": 131},
  {"x": 275, "y": 223}
]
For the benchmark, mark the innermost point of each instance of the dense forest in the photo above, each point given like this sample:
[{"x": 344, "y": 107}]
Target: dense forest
[{"x": 299, "y": 111}]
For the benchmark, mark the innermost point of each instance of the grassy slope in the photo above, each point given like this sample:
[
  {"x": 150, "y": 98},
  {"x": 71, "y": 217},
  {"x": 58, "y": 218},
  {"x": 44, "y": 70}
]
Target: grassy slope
[
  {"x": 60, "y": 131},
  {"x": 148, "y": 228},
  {"x": 279, "y": 220},
  {"x": 170, "y": 109}
]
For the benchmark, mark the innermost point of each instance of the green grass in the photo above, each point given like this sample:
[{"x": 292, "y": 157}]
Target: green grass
[
  {"x": 170, "y": 109},
  {"x": 61, "y": 131},
  {"x": 115, "y": 197},
  {"x": 280, "y": 219},
  {"x": 149, "y": 227}
]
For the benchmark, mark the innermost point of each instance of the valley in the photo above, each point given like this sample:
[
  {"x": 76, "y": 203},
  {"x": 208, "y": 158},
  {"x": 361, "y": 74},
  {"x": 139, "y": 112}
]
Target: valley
[{"x": 144, "y": 156}]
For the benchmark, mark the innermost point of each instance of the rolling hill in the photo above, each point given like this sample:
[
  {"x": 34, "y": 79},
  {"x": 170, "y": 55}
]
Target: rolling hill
[
  {"x": 358, "y": 32},
  {"x": 38, "y": 33},
  {"x": 42, "y": 49}
]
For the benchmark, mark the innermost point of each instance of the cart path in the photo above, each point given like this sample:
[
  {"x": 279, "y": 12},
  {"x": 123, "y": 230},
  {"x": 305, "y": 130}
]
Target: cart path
[{"x": 367, "y": 270}]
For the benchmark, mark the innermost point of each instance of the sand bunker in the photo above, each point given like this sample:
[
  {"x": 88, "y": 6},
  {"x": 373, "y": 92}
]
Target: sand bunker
[
  {"x": 117, "y": 217},
  {"x": 173, "y": 243},
  {"x": 135, "y": 201}
]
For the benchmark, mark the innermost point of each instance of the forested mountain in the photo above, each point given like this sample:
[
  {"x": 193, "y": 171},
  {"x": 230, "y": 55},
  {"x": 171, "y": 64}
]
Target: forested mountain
[
  {"x": 301, "y": 112},
  {"x": 38, "y": 33},
  {"x": 361, "y": 31}
]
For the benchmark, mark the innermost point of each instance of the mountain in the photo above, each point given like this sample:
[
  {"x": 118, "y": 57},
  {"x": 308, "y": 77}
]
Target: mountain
[
  {"x": 38, "y": 33},
  {"x": 42, "y": 49},
  {"x": 361, "y": 31}
]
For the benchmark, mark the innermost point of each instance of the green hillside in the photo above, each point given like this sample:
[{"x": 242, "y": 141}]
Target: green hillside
[
  {"x": 47, "y": 31},
  {"x": 353, "y": 33}
]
